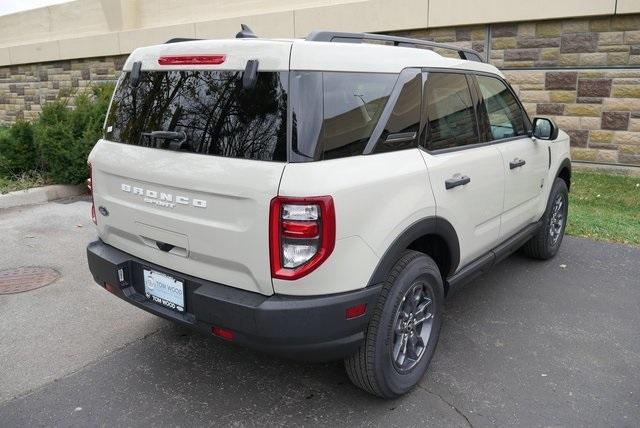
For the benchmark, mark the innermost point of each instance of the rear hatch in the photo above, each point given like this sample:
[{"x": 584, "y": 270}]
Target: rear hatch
[{"x": 192, "y": 157}]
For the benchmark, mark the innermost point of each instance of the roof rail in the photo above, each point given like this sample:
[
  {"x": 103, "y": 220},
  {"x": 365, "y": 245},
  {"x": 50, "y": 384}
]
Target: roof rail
[
  {"x": 180, "y": 39},
  {"x": 343, "y": 37}
]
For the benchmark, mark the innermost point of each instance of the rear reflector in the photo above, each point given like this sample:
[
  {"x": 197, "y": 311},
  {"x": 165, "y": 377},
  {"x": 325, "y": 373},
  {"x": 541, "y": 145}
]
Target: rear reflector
[
  {"x": 356, "y": 311},
  {"x": 222, "y": 333},
  {"x": 191, "y": 59}
]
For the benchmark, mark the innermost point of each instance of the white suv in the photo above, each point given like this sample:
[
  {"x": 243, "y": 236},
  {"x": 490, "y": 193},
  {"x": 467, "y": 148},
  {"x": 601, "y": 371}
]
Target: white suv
[{"x": 319, "y": 198}]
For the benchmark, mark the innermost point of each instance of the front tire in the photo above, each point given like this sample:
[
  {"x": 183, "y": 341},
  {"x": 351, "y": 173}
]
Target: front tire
[
  {"x": 546, "y": 242},
  {"x": 403, "y": 332}
]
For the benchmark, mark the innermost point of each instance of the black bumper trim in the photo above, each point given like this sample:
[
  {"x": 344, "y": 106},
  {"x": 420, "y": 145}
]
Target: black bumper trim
[{"x": 310, "y": 328}]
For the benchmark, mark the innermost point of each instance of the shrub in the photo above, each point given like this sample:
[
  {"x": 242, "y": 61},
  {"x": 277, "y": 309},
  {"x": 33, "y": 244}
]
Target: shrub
[
  {"x": 4, "y": 135},
  {"x": 64, "y": 137},
  {"x": 18, "y": 153},
  {"x": 58, "y": 143},
  {"x": 21, "y": 182}
]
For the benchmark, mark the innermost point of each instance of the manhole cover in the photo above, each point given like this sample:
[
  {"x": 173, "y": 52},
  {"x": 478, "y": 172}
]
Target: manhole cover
[{"x": 25, "y": 279}]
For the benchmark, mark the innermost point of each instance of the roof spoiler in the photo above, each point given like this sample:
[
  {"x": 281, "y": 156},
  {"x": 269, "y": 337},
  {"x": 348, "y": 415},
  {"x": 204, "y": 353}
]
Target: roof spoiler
[
  {"x": 179, "y": 40},
  {"x": 245, "y": 33}
]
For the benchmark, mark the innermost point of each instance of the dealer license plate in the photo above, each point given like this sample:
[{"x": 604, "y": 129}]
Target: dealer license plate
[{"x": 164, "y": 290}]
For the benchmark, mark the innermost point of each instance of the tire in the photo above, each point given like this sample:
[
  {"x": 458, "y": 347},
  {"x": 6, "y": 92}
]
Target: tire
[
  {"x": 374, "y": 368},
  {"x": 547, "y": 240}
]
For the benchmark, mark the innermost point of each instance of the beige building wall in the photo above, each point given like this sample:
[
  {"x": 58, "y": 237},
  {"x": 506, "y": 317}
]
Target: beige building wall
[
  {"x": 92, "y": 28},
  {"x": 577, "y": 61}
]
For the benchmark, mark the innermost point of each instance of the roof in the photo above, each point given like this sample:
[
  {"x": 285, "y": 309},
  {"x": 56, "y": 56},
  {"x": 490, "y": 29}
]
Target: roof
[{"x": 300, "y": 54}]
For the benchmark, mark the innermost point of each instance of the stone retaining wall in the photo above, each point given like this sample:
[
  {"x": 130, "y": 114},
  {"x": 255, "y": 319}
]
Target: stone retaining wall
[
  {"x": 585, "y": 73},
  {"x": 25, "y": 88},
  {"x": 600, "y": 110}
]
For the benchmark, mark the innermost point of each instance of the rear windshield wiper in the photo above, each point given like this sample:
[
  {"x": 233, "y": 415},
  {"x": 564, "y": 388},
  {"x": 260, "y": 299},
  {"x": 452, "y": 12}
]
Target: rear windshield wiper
[
  {"x": 166, "y": 135},
  {"x": 171, "y": 136}
]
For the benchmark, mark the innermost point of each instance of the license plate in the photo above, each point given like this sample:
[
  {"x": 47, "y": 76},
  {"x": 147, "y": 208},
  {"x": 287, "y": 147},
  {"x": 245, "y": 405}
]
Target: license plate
[{"x": 164, "y": 290}]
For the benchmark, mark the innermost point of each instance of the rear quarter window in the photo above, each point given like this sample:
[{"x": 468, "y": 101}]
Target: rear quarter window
[{"x": 335, "y": 113}]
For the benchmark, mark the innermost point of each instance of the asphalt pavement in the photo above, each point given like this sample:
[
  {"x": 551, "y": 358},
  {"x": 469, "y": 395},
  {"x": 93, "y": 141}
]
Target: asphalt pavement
[{"x": 531, "y": 343}]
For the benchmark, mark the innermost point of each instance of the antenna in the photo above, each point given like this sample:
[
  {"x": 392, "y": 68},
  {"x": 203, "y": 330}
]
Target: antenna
[{"x": 246, "y": 33}]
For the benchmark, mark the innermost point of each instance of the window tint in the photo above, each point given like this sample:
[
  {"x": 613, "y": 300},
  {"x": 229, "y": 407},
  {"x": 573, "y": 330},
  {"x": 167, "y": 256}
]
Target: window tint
[
  {"x": 208, "y": 111},
  {"x": 307, "y": 111},
  {"x": 401, "y": 130},
  {"x": 342, "y": 125},
  {"x": 353, "y": 103},
  {"x": 451, "y": 120},
  {"x": 503, "y": 111}
]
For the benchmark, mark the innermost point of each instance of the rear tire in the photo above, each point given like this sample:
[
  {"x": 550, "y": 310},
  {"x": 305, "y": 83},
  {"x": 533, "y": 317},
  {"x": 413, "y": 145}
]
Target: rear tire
[
  {"x": 403, "y": 332},
  {"x": 547, "y": 240}
]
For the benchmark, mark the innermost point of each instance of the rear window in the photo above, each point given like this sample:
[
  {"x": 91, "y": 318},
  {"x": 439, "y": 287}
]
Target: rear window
[
  {"x": 334, "y": 113},
  {"x": 205, "y": 112}
]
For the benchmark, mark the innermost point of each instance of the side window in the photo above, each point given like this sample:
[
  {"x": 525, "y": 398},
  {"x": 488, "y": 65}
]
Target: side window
[
  {"x": 503, "y": 111},
  {"x": 401, "y": 130},
  {"x": 451, "y": 119},
  {"x": 353, "y": 103},
  {"x": 335, "y": 113}
]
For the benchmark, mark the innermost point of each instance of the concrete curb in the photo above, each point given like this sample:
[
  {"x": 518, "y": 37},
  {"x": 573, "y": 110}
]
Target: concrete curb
[
  {"x": 628, "y": 170},
  {"x": 38, "y": 195}
]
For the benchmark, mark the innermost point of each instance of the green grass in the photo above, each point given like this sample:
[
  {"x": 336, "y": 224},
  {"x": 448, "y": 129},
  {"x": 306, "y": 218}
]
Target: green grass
[
  {"x": 25, "y": 181},
  {"x": 604, "y": 207}
]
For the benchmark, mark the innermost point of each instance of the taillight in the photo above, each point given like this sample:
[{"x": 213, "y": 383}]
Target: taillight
[
  {"x": 90, "y": 188},
  {"x": 302, "y": 234},
  {"x": 205, "y": 59}
]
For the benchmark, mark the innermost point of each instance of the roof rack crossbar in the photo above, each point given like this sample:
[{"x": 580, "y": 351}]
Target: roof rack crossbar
[{"x": 343, "y": 37}]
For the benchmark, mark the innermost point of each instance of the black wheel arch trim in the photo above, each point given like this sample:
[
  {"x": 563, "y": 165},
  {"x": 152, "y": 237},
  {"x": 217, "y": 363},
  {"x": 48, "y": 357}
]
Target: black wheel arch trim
[
  {"x": 427, "y": 226},
  {"x": 566, "y": 163}
]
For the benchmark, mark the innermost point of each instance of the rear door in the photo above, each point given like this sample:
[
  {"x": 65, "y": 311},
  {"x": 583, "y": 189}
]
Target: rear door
[
  {"x": 467, "y": 177},
  {"x": 525, "y": 161},
  {"x": 190, "y": 161}
]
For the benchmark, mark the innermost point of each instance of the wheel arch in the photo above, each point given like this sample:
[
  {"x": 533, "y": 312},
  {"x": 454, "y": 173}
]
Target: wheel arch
[
  {"x": 433, "y": 236},
  {"x": 564, "y": 172}
]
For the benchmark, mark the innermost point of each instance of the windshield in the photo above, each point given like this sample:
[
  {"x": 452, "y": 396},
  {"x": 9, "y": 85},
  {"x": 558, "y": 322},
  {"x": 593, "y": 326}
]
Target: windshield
[{"x": 205, "y": 112}]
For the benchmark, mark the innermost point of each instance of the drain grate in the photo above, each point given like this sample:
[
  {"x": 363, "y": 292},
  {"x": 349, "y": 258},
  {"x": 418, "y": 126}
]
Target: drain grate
[{"x": 26, "y": 278}]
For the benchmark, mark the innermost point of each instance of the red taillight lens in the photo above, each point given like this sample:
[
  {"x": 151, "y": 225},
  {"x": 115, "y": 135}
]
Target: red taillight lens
[
  {"x": 90, "y": 188},
  {"x": 302, "y": 235},
  {"x": 300, "y": 229},
  {"x": 191, "y": 59},
  {"x": 222, "y": 333}
]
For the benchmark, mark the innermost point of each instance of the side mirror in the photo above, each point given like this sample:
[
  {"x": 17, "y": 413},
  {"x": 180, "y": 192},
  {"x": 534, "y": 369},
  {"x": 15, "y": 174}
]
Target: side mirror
[{"x": 544, "y": 129}]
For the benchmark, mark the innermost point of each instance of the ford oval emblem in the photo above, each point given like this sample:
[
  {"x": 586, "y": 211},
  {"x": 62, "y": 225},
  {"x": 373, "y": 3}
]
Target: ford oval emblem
[{"x": 103, "y": 211}]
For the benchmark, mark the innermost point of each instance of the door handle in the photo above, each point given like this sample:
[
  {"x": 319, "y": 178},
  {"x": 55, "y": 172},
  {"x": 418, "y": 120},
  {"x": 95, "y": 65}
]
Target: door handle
[
  {"x": 457, "y": 181},
  {"x": 400, "y": 137},
  {"x": 516, "y": 163}
]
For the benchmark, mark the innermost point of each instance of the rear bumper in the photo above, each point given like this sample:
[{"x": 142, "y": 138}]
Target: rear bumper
[{"x": 309, "y": 328}]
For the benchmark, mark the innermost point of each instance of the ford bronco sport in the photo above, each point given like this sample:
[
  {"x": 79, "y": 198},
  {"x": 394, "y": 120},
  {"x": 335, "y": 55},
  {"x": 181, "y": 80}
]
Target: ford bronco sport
[{"x": 319, "y": 198}]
